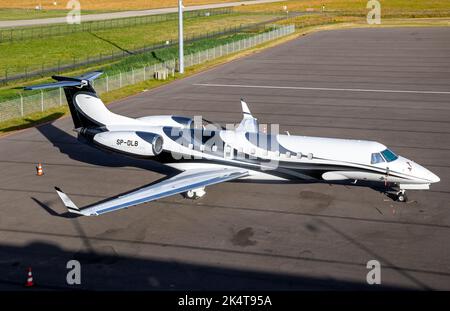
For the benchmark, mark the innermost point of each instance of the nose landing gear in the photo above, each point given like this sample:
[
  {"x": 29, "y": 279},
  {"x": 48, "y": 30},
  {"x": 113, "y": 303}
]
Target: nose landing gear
[
  {"x": 401, "y": 195},
  {"x": 397, "y": 195}
]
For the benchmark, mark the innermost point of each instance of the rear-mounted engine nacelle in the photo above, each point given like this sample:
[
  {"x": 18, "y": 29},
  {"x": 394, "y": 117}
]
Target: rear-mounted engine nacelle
[
  {"x": 172, "y": 121},
  {"x": 136, "y": 143}
]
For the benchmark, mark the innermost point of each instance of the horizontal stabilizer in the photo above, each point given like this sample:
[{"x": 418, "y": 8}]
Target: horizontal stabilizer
[
  {"x": 67, "y": 81},
  {"x": 61, "y": 78},
  {"x": 52, "y": 85},
  {"x": 90, "y": 76}
]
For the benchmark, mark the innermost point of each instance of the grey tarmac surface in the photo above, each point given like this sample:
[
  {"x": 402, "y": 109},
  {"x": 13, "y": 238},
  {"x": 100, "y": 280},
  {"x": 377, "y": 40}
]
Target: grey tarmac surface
[
  {"x": 125, "y": 14},
  {"x": 243, "y": 235}
]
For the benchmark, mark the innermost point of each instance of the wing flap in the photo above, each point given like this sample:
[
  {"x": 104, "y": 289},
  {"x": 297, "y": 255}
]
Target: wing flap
[{"x": 180, "y": 183}]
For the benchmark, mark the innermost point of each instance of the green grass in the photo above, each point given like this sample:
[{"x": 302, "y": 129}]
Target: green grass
[
  {"x": 134, "y": 61},
  {"x": 16, "y": 57},
  {"x": 389, "y": 8},
  {"x": 171, "y": 53},
  {"x": 33, "y": 119},
  {"x": 17, "y": 14},
  {"x": 46, "y": 31}
]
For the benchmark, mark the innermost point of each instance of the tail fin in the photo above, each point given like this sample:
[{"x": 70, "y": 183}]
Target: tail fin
[{"x": 72, "y": 86}]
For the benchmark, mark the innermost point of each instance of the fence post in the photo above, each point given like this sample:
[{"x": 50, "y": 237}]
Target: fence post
[
  {"x": 107, "y": 83},
  {"x": 21, "y": 105},
  {"x": 144, "y": 73},
  {"x": 120, "y": 79},
  {"x": 60, "y": 96},
  {"x": 42, "y": 101},
  {"x": 132, "y": 75}
]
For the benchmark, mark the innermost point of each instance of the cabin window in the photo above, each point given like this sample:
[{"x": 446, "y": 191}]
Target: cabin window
[
  {"x": 376, "y": 158},
  {"x": 389, "y": 155}
]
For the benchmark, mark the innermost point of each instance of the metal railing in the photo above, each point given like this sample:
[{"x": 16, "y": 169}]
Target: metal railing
[{"x": 24, "y": 105}]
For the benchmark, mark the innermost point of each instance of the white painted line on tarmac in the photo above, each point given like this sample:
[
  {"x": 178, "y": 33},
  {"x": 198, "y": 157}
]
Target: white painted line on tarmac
[{"x": 318, "y": 88}]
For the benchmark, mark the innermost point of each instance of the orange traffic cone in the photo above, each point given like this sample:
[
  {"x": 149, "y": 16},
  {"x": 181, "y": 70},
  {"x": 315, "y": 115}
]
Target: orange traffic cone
[
  {"x": 29, "y": 282},
  {"x": 39, "y": 170}
]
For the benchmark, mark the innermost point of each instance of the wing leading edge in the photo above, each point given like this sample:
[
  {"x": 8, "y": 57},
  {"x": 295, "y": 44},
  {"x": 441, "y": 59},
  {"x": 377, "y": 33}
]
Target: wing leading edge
[{"x": 185, "y": 181}]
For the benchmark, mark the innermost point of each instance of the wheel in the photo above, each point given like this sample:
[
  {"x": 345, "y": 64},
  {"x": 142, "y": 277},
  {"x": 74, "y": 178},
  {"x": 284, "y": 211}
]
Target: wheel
[
  {"x": 195, "y": 194},
  {"x": 401, "y": 197},
  {"x": 190, "y": 194}
]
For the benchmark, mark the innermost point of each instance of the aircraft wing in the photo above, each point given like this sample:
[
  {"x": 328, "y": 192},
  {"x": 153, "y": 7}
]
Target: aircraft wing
[{"x": 185, "y": 181}]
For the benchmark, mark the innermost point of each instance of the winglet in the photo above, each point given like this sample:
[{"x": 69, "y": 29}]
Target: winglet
[
  {"x": 245, "y": 108},
  {"x": 248, "y": 123},
  {"x": 68, "y": 202}
]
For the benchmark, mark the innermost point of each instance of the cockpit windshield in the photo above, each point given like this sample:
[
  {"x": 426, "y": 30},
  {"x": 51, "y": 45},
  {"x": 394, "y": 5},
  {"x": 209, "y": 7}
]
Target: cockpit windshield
[
  {"x": 376, "y": 158},
  {"x": 389, "y": 155}
]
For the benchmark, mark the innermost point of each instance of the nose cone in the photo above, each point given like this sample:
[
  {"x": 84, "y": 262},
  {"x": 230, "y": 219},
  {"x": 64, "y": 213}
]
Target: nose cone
[
  {"x": 418, "y": 171},
  {"x": 426, "y": 174},
  {"x": 433, "y": 177}
]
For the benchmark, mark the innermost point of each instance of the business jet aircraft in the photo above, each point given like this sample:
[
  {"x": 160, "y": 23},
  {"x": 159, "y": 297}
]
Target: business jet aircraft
[{"x": 207, "y": 155}]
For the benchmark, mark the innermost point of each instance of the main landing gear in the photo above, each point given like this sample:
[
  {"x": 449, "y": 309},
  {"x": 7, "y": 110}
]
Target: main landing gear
[
  {"x": 401, "y": 196},
  {"x": 195, "y": 194}
]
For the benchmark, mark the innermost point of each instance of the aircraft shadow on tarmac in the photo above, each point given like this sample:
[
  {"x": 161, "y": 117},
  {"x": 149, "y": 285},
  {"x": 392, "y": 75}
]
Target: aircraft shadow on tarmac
[
  {"x": 107, "y": 270},
  {"x": 52, "y": 212},
  {"x": 78, "y": 151}
]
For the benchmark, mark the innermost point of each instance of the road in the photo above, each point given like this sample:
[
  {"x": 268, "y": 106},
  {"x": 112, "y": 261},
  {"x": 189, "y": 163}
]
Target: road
[
  {"x": 243, "y": 235},
  {"x": 124, "y": 14}
]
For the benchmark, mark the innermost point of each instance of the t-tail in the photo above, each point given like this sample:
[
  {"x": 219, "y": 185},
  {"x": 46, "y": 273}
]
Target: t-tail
[{"x": 87, "y": 109}]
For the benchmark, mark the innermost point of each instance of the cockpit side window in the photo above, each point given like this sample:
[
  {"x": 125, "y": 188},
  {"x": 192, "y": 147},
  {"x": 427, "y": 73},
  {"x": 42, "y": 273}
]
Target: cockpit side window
[
  {"x": 389, "y": 155},
  {"x": 376, "y": 158}
]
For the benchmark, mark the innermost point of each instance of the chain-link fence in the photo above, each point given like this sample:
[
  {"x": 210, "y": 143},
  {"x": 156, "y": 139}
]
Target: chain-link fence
[
  {"x": 44, "y": 100},
  {"x": 27, "y": 33}
]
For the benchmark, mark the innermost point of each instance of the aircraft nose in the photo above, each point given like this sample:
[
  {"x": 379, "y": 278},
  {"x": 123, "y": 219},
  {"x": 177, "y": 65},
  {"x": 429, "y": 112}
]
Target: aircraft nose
[
  {"x": 428, "y": 175},
  {"x": 433, "y": 177}
]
